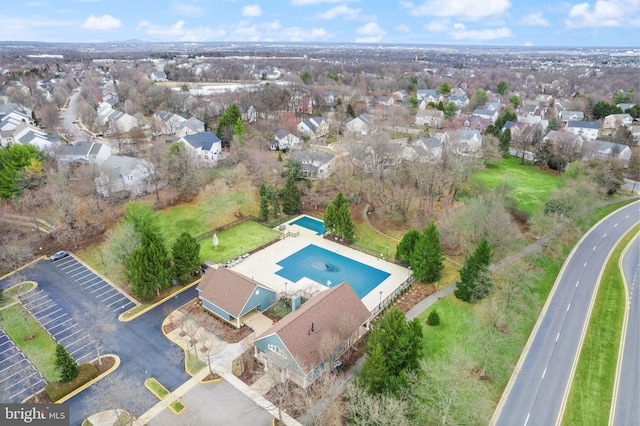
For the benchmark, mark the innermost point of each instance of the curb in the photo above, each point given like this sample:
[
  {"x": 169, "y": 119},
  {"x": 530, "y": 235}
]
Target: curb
[
  {"x": 37, "y": 259},
  {"x": 92, "y": 381},
  {"x": 161, "y": 301}
]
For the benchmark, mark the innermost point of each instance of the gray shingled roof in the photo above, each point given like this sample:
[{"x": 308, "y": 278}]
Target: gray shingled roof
[{"x": 204, "y": 140}]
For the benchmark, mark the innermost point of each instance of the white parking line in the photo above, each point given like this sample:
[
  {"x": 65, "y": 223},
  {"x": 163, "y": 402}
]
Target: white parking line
[
  {"x": 58, "y": 325},
  {"x": 35, "y": 310},
  {"x": 98, "y": 289},
  {"x": 79, "y": 349},
  {"x": 102, "y": 294},
  {"x": 50, "y": 313},
  {"x": 83, "y": 276},
  {"x": 99, "y": 282},
  {"x": 82, "y": 270},
  {"x": 72, "y": 334},
  {"x": 113, "y": 295},
  {"x": 57, "y": 318},
  {"x": 117, "y": 301},
  {"x": 92, "y": 279},
  {"x": 74, "y": 269}
]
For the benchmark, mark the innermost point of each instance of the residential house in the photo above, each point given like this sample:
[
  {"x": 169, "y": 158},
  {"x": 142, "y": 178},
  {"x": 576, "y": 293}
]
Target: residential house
[
  {"x": 84, "y": 152},
  {"x": 204, "y": 147},
  {"x": 315, "y": 164},
  {"x": 13, "y": 119},
  {"x": 613, "y": 121},
  {"x": 401, "y": 96},
  {"x": 424, "y": 150},
  {"x": 230, "y": 296},
  {"x": 489, "y": 114},
  {"x": 430, "y": 117},
  {"x": 602, "y": 149},
  {"x": 493, "y": 105},
  {"x": 625, "y": 106},
  {"x": 284, "y": 140},
  {"x": 569, "y": 144},
  {"x": 566, "y": 116},
  {"x": 478, "y": 123},
  {"x": 515, "y": 127},
  {"x": 27, "y": 134},
  {"x": 362, "y": 124},
  {"x": 587, "y": 129},
  {"x": 118, "y": 121},
  {"x": 461, "y": 101},
  {"x": 169, "y": 123},
  {"x": 306, "y": 343},
  {"x": 544, "y": 99},
  {"x": 248, "y": 113},
  {"x": 463, "y": 141},
  {"x": 121, "y": 173},
  {"x": 158, "y": 76},
  {"x": 429, "y": 95},
  {"x": 315, "y": 127}
]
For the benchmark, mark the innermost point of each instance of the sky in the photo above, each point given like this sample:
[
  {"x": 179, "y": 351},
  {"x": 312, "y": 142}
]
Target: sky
[{"x": 607, "y": 23}]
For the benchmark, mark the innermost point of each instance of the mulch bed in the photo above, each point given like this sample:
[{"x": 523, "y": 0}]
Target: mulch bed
[
  {"x": 223, "y": 330},
  {"x": 416, "y": 293},
  {"x": 211, "y": 376},
  {"x": 43, "y": 397}
]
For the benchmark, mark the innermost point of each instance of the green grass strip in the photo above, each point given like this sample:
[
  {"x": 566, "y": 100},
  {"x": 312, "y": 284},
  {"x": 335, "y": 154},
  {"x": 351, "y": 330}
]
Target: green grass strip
[
  {"x": 194, "y": 364},
  {"x": 177, "y": 406},
  {"x": 238, "y": 240},
  {"x": 590, "y": 395},
  {"x": 156, "y": 388},
  {"x": 31, "y": 338}
]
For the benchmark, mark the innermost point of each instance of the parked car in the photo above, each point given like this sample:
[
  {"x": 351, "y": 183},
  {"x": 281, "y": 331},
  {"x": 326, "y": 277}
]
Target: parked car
[{"x": 59, "y": 255}]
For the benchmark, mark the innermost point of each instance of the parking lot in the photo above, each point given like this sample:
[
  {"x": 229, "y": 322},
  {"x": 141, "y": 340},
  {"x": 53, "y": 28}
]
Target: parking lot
[
  {"x": 17, "y": 375},
  {"x": 60, "y": 324},
  {"x": 95, "y": 287}
]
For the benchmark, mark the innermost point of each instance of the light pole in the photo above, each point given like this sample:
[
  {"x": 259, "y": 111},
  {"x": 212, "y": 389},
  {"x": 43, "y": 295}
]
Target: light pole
[
  {"x": 409, "y": 272},
  {"x": 387, "y": 253},
  {"x": 285, "y": 289},
  {"x": 240, "y": 250},
  {"x": 380, "y": 301}
]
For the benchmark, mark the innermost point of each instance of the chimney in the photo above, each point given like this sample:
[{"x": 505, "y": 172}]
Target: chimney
[{"x": 312, "y": 326}]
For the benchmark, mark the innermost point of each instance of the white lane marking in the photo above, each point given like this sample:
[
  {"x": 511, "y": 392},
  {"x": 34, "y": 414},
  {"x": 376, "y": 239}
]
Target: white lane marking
[
  {"x": 604, "y": 235},
  {"x": 577, "y": 283},
  {"x": 627, "y": 216},
  {"x": 568, "y": 307},
  {"x": 544, "y": 372},
  {"x": 557, "y": 337},
  {"x": 527, "y": 419},
  {"x": 594, "y": 248}
]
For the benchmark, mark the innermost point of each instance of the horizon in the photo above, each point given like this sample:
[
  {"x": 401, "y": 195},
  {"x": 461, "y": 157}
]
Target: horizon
[{"x": 452, "y": 23}]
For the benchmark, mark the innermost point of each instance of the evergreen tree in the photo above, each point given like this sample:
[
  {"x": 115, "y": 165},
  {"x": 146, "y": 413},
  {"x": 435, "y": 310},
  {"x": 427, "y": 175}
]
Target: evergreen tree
[
  {"x": 427, "y": 259},
  {"x": 395, "y": 347},
  {"x": 141, "y": 215},
  {"x": 228, "y": 120},
  {"x": 274, "y": 198},
  {"x": 503, "y": 87},
  {"x": 66, "y": 365},
  {"x": 433, "y": 318},
  {"x": 148, "y": 266},
  {"x": 264, "y": 208},
  {"x": 290, "y": 196},
  {"x": 407, "y": 245},
  {"x": 505, "y": 142},
  {"x": 239, "y": 129},
  {"x": 350, "y": 111},
  {"x": 263, "y": 189},
  {"x": 475, "y": 283},
  {"x": 337, "y": 218},
  {"x": 14, "y": 160},
  {"x": 186, "y": 257}
]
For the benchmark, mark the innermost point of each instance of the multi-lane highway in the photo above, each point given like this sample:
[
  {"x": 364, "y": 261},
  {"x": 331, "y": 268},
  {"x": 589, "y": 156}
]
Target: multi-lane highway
[
  {"x": 538, "y": 389},
  {"x": 625, "y": 407}
]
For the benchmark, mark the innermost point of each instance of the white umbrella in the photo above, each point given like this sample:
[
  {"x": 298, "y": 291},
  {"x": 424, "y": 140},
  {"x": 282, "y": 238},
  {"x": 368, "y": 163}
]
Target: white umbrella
[{"x": 215, "y": 240}]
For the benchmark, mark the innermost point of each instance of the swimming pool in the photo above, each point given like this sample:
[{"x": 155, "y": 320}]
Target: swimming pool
[
  {"x": 310, "y": 223},
  {"x": 330, "y": 269}
]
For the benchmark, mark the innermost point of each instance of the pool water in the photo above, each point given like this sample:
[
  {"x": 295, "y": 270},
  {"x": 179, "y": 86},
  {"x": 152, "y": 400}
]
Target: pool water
[
  {"x": 315, "y": 225},
  {"x": 330, "y": 269}
]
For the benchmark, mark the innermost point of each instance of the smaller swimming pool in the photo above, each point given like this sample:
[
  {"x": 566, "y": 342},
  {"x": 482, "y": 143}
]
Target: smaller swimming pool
[{"x": 315, "y": 225}]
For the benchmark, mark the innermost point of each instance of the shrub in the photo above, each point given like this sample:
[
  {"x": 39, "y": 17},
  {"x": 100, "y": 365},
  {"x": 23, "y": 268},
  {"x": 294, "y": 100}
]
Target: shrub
[
  {"x": 57, "y": 390},
  {"x": 65, "y": 364},
  {"x": 433, "y": 318}
]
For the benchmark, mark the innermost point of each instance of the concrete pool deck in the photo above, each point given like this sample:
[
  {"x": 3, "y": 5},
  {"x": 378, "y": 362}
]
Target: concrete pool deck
[{"x": 262, "y": 266}]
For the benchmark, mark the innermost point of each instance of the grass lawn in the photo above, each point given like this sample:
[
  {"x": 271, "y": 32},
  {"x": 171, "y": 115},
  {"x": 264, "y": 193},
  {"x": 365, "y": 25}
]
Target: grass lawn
[
  {"x": 40, "y": 348},
  {"x": 235, "y": 241},
  {"x": 592, "y": 389},
  {"x": 10, "y": 295},
  {"x": 177, "y": 406},
  {"x": 156, "y": 388},
  {"x": 367, "y": 237},
  {"x": 530, "y": 187},
  {"x": 279, "y": 309},
  {"x": 194, "y": 364}
]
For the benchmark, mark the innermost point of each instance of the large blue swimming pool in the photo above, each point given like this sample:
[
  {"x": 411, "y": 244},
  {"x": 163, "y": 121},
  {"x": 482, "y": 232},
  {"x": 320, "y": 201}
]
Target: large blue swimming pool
[
  {"x": 310, "y": 223},
  {"x": 330, "y": 269}
]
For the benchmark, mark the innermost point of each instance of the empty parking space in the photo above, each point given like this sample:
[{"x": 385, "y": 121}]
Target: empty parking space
[
  {"x": 18, "y": 377},
  {"x": 60, "y": 324},
  {"x": 93, "y": 286}
]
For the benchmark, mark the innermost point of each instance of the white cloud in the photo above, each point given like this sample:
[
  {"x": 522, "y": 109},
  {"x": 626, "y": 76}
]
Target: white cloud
[
  {"x": 403, "y": 28},
  {"x": 535, "y": 20},
  {"x": 101, "y": 23},
  {"x": 370, "y": 32},
  {"x": 273, "y": 31},
  {"x": 460, "y": 9},
  {"x": 180, "y": 32},
  {"x": 605, "y": 13},
  {"x": 458, "y": 26},
  {"x": 438, "y": 26},
  {"x": 528, "y": 43},
  {"x": 340, "y": 11},
  {"x": 486, "y": 34},
  {"x": 252, "y": 10},
  {"x": 188, "y": 9},
  {"x": 306, "y": 2}
]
